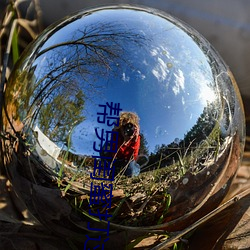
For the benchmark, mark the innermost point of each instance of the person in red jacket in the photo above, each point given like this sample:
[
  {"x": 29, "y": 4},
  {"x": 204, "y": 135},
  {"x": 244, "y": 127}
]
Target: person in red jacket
[{"x": 128, "y": 144}]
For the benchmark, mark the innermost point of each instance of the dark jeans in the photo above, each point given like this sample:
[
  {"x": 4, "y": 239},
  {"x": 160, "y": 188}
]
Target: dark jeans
[{"x": 132, "y": 168}]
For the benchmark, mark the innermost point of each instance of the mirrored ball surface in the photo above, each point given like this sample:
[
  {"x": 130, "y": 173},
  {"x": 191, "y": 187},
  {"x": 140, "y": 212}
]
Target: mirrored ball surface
[{"x": 69, "y": 102}]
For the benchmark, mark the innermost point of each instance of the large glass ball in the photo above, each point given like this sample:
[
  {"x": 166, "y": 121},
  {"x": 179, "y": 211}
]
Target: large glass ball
[{"x": 125, "y": 112}]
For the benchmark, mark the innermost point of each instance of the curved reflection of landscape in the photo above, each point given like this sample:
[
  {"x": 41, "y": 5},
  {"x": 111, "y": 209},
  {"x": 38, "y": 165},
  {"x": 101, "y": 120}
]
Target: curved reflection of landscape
[{"x": 184, "y": 95}]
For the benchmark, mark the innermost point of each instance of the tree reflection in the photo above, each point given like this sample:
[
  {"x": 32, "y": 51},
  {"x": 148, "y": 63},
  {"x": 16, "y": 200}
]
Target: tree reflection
[
  {"x": 66, "y": 74},
  {"x": 200, "y": 144},
  {"x": 93, "y": 51},
  {"x": 57, "y": 117}
]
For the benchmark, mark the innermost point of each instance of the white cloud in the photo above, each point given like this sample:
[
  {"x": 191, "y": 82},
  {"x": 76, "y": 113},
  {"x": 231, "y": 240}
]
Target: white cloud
[
  {"x": 179, "y": 82},
  {"x": 206, "y": 93},
  {"x": 145, "y": 62},
  {"x": 142, "y": 76},
  {"x": 125, "y": 78},
  {"x": 161, "y": 70},
  {"x": 159, "y": 132},
  {"x": 154, "y": 52},
  {"x": 183, "y": 101}
]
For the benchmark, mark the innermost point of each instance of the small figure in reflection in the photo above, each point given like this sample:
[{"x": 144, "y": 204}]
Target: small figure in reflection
[{"x": 128, "y": 144}]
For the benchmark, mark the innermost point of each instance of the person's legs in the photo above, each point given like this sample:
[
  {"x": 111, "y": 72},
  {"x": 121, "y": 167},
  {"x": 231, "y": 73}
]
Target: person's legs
[{"x": 133, "y": 169}]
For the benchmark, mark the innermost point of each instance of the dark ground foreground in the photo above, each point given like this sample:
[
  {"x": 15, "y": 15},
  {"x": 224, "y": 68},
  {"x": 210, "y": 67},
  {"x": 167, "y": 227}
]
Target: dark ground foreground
[{"x": 229, "y": 229}]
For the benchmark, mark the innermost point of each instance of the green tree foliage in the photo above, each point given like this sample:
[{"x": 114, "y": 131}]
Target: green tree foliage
[
  {"x": 203, "y": 126},
  {"x": 144, "y": 146},
  {"x": 59, "y": 116},
  {"x": 203, "y": 130}
]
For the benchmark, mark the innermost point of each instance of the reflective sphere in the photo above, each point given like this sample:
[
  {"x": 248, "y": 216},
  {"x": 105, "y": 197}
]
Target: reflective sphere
[{"x": 124, "y": 111}]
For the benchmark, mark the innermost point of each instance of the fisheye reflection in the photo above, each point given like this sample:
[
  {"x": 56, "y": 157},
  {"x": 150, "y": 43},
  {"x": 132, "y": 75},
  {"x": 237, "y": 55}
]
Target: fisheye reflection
[{"x": 180, "y": 115}]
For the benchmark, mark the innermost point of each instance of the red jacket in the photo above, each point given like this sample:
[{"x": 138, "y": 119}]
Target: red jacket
[{"x": 127, "y": 150}]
